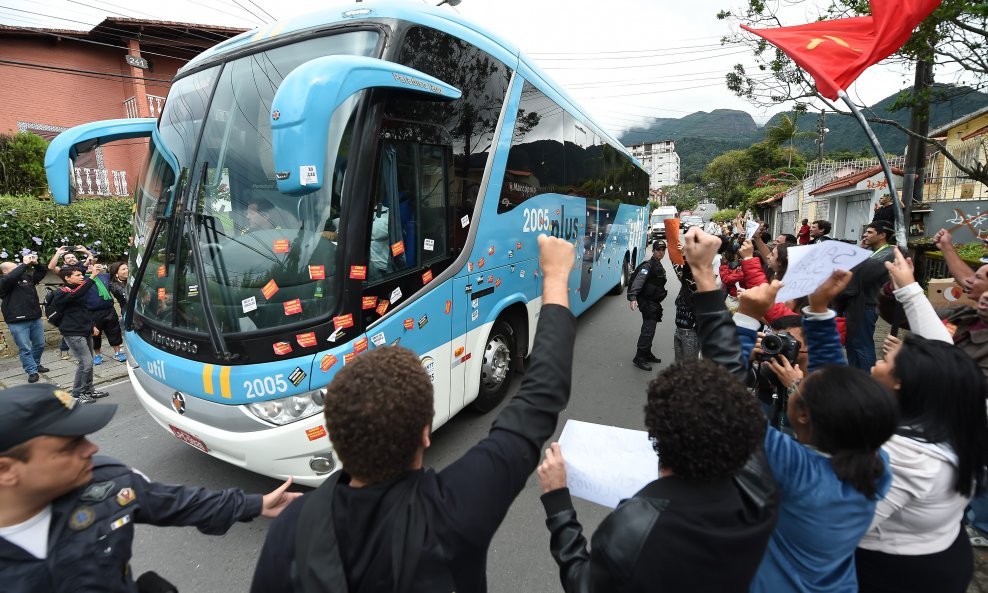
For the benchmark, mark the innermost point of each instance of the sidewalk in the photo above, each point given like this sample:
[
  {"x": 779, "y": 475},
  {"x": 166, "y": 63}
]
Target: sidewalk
[{"x": 62, "y": 371}]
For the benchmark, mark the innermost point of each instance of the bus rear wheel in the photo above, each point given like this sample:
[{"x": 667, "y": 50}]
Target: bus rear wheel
[{"x": 496, "y": 371}]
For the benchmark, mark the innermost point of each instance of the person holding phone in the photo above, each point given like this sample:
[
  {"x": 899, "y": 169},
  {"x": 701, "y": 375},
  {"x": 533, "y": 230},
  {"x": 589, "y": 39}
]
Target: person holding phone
[{"x": 22, "y": 311}]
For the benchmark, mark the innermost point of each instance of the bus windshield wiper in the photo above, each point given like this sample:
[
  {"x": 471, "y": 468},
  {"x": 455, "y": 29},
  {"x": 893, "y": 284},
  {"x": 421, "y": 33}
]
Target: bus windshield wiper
[{"x": 139, "y": 273}]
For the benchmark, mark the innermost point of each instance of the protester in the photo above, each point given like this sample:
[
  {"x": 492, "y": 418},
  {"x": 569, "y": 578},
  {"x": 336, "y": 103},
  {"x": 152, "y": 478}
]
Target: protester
[
  {"x": 699, "y": 514},
  {"x": 76, "y": 327},
  {"x": 99, "y": 301},
  {"x": 972, "y": 282},
  {"x": 384, "y": 523},
  {"x": 938, "y": 456},
  {"x": 820, "y": 231},
  {"x": 22, "y": 311},
  {"x": 119, "y": 272},
  {"x": 803, "y": 235},
  {"x": 646, "y": 294},
  {"x": 685, "y": 345},
  {"x": 67, "y": 516},
  {"x": 832, "y": 475},
  {"x": 785, "y": 239},
  {"x": 69, "y": 258},
  {"x": 858, "y": 304}
]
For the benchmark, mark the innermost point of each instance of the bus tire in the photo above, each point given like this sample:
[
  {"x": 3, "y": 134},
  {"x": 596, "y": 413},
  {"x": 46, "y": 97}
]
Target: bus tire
[
  {"x": 623, "y": 282},
  {"x": 497, "y": 369}
]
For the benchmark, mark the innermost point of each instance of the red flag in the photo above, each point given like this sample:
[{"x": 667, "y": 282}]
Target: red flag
[{"x": 836, "y": 52}]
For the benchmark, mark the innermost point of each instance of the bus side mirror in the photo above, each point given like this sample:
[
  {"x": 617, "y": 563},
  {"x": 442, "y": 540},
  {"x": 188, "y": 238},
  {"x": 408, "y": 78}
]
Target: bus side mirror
[
  {"x": 308, "y": 97},
  {"x": 65, "y": 147}
]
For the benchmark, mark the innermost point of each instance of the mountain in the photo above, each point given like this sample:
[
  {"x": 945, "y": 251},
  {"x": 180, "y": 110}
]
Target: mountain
[{"x": 702, "y": 136}]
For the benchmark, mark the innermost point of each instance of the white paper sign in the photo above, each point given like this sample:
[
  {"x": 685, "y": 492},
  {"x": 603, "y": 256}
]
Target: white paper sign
[
  {"x": 249, "y": 304},
  {"x": 428, "y": 244},
  {"x": 811, "y": 265},
  {"x": 307, "y": 174},
  {"x": 751, "y": 228},
  {"x": 395, "y": 295},
  {"x": 465, "y": 221},
  {"x": 378, "y": 339},
  {"x": 606, "y": 464}
]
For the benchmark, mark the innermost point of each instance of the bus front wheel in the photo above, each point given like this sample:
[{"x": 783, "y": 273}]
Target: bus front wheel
[{"x": 497, "y": 370}]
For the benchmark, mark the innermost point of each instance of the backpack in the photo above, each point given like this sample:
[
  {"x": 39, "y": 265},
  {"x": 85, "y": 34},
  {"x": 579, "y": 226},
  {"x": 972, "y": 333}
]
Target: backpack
[
  {"x": 54, "y": 316},
  {"x": 634, "y": 274}
]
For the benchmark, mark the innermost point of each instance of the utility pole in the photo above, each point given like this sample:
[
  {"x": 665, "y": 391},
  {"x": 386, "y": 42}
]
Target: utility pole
[
  {"x": 821, "y": 129},
  {"x": 914, "y": 170}
]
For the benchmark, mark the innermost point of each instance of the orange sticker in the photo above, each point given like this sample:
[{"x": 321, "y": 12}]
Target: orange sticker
[
  {"x": 449, "y": 306},
  {"x": 368, "y": 302},
  {"x": 458, "y": 351},
  {"x": 343, "y": 321},
  {"x": 348, "y": 357},
  {"x": 410, "y": 323},
  {"x": 293, "y": 307},
  {"x": 316, "y": 432},
  {"x": 282, "y": 348},
  {"x": 360, "y": 345},
  {"x": 481, "y": 263},
  {"x": 306, "y": 340},
  {"x": 497, "y": 283},
  {"x": 282, "y": 246},
  {"x": 327, "y": 362},
  {"x": 162, "y": 295},
  {"x": 269, "y": 289},
  {"x": 490, "y": 250},
  {"x": 398, "y": 248},
  {"x": 490, "y": 279},
  {"x": 382, "y": 307},
  {"x": 358, "y": 272},
  {"x": 162, "y": 272},
  {"x": 427, "y": 277},
  {"x": 317, "y": 272}
]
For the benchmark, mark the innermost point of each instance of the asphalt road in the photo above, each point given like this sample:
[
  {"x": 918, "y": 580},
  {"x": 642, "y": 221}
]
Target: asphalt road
[{"x": 607, "y": 389}]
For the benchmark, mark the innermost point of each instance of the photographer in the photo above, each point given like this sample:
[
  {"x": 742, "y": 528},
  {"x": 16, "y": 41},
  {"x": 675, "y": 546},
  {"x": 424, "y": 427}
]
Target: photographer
[
  {"x": 22, "y": 311},
  {"x": 832, "y": 474}
]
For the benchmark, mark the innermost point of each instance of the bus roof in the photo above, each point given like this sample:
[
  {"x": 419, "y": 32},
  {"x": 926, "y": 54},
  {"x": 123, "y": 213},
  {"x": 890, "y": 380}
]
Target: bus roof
[{"x": 424, "y": 14}]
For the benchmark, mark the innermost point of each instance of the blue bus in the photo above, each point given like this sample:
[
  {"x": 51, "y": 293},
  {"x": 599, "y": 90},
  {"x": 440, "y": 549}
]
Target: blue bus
[{"x": 347, "y": 180}]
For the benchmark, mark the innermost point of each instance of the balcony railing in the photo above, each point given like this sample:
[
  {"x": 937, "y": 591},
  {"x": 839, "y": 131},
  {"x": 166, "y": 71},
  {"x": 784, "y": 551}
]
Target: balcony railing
[
  {"x": 100, "y": 182},
  {"x": 155, "y": 105}
]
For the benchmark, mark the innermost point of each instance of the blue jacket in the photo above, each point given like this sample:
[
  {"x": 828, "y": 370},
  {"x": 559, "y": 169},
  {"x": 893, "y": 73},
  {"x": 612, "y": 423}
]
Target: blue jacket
[{"x": 95, "y": 301}]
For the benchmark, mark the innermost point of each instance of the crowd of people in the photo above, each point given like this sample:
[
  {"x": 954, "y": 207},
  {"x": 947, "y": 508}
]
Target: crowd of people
[{"x": 782, "y": 466}]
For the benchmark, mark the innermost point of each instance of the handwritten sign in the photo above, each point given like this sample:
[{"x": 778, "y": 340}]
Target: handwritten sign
[
  {"x": 751, "y": 227},
  {"x": 606, "y": 464},
  {"x": 811, "y": 265}
]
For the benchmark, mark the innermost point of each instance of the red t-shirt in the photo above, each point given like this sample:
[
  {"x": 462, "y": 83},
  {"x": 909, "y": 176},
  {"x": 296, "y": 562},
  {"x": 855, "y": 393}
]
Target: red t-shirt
[{"x": 804, "y": 235}]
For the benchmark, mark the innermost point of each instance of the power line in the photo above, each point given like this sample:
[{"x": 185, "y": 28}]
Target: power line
[
  {"x": 620, "y": 51},
  {"x": 218, "y": 38},
  {"x": 259, "y": 7},
  {"x": 249, "y": 11},
  {"x": 95, "y": 74},
  {"x": 733, "y": 53},
  {"x": 657, "y": 54}
]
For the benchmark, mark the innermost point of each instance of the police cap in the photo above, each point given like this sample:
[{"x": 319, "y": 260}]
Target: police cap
[{"x": 41, "y": 409}]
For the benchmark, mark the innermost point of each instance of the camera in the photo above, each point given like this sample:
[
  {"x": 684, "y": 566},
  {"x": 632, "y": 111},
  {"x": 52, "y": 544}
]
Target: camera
[{"x": 781, "y": 343}]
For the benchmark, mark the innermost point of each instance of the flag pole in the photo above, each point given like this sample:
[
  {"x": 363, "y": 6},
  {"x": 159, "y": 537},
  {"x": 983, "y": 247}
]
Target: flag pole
[{"x": 900, "y": 223}]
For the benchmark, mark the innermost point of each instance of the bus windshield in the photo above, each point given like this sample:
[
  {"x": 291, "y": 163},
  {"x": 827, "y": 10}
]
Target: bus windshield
[{"x": 269, "y": 259}]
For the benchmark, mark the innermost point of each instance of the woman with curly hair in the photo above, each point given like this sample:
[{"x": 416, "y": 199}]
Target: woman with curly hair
[{"x": 699, "y": 514}]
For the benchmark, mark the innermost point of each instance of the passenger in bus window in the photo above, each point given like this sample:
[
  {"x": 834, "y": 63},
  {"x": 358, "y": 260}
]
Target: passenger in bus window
[{"x": 378, "y": 411}]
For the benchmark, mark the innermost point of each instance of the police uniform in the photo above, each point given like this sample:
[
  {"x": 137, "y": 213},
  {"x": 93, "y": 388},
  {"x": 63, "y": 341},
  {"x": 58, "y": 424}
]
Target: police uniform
[
  {"x": 92, "y": 529},
  {"x": 648, "y": 288}
]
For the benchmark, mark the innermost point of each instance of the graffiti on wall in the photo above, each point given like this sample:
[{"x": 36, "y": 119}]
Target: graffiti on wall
[{"x": 966, "y": 221}]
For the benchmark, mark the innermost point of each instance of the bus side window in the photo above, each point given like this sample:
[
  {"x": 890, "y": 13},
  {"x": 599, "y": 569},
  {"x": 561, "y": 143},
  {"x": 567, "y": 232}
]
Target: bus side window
[{"x": 536, "y": 159}]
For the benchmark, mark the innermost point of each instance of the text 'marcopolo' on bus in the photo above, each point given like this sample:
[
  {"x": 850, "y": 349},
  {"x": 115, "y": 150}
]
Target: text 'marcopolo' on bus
[{"x": 348, "y": 180}]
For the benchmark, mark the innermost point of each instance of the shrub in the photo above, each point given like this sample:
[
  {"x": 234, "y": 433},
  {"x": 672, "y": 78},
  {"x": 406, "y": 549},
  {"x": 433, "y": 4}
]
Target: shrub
[
  {"x": 101, "y": 224},
  {"x": 22, "y": 164},
  {"x": 726, "y": 215}
]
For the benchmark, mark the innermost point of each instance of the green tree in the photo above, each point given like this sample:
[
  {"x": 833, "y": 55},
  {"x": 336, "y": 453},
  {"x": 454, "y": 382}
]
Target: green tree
[
  {"x": 787, "y": 132},
  {"x": 956, "y": 34},
  {"x": 729, "y": 173},
  {"x": 22, "y": 164},
  {"x": 685, "y": 196}
]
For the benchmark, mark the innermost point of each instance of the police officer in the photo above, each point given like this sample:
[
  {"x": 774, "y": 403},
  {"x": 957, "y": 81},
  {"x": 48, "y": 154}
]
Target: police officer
[
  {"x": 645, "y": 294},
  {"x": 67, "y": 518}
]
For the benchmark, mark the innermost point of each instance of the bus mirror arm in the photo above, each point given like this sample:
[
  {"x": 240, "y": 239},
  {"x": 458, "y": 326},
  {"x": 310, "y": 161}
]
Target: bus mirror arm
[{"x": 308, "y": 97}]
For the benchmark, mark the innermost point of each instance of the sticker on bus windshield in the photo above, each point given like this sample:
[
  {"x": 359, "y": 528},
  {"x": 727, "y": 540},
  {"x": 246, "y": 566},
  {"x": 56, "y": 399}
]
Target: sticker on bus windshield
[
  {"x": 315, "y": 433},
  {"x": 481, "y": 263},
  {"x": 249, "y": 304},
  {"x": 490, "y": 250},
  {"x": 306, "y": 340},
  {"x": 343, "y": 321},
  {"x": 409, "y": 323},
  {"x": 193, "y": 290},
  {"x": 282, "y": 348},
  {"x": 293, "y": 307},
  {"x": 396, "y": 295},
  {"x": 297, "y": 376},
  {"x": 378, "y": 339},
  {"x": 162, "y": 272},
  {"x": 282, "y": 246},
  {"x": 382, "y": 307},
  {"x": 317, "y": 272},
  {"x": 335, "y": 335},
  {"x": 162, "y": 295},
  {"x": 465, "y": 221},
  {"x": 427, "y": 277},
  {"x": 307, "y": 174},
  {"x": 269, "y": 289},
  {"x": 327, "y": 362},
  {"x": 358, "y": 272},
  {"x": 368, "y": 302},
  {"x": 428, "y": 245},
  {"x": 360, "y": 345},
  {"x": 398, "y": 248}
]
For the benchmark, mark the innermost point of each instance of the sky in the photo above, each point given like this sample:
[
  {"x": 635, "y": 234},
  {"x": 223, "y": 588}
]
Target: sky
[{"x": 624, "y": 61}]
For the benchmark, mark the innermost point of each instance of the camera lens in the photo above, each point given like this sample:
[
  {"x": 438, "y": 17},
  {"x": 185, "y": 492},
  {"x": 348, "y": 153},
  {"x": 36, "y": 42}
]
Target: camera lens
[{"x": 771, "y": 345}]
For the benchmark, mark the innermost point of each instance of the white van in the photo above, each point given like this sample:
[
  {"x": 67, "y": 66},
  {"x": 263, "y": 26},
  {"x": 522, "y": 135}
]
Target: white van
[{"x": 656, "y": 223}]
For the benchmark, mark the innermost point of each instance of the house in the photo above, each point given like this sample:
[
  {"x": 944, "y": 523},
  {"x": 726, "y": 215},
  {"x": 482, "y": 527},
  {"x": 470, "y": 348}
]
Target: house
[
  {"x": 53, "y": 79},
  {"x": 849, "y": 201},
  {"x": 967, "y": 140}
]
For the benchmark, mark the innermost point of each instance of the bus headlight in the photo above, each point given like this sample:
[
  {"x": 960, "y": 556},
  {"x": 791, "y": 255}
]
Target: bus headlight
[{"x": 289, "y": 409}]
